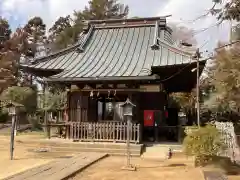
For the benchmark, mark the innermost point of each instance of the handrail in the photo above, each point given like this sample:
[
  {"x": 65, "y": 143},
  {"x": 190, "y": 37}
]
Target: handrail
[{"x": 103, "y": 131}]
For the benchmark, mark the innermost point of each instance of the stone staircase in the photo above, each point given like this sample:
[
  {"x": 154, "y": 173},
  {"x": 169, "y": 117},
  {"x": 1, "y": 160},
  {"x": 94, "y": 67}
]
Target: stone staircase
[{"x": 67, "y": 146}]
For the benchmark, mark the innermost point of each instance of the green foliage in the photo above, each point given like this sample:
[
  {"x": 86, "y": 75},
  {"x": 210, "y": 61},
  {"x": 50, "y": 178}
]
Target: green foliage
[
  {"x": 65, "y": 31},
  {"x": 34, "y": 121},
  {"x": 55, "y": 100},
  {"x": 36, "y": 29},
  {"x": 61, "y": 31},
  {"x": 3, "y": 116},
  {"x": 5, "y": 31},
  {"x": 25, "y": 96},
  {"x": 226, "y": 78},
  {"x": 203, "y": 143},
  {"x": 186, "y": 101},
  {"x": 105, "y": 9}
]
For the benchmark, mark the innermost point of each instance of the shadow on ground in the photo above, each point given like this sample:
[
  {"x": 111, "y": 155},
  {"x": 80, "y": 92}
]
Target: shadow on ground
[{"x": 226, "y": 165}]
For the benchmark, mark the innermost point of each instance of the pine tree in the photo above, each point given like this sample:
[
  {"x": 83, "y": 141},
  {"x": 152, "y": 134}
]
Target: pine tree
[
  {"x": 97, "y": 9},
  {"x": 36, "y": 35},
  {"x": 35, "y": 30},
  {"x": 104, "y": 9},
  {"x": 62, "y": 33}
]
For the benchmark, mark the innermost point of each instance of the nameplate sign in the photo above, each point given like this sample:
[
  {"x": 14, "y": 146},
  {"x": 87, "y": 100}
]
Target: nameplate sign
[{"x": 151, "y": 88}]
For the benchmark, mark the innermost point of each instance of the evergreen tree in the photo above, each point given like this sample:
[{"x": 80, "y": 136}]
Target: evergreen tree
[
  {"x": 36, "y": 31},
  {"x": 62, "y": 33},
  {"x": 66, "y": 34},
  {"x": 104, "y": 9},
  {"x": 36, "y": 38}
]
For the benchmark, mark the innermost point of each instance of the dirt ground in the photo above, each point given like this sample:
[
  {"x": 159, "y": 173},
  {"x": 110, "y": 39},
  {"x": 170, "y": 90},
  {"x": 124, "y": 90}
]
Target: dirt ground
[
  {"x": 24, "y": 157},
  {"x": 179, "y": 167},
  {"x": 110, "y": 169}
]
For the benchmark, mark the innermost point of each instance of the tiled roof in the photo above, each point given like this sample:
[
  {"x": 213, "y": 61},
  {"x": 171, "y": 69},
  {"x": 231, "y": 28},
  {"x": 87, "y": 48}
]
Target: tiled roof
[{"x": 117, "y": 48}]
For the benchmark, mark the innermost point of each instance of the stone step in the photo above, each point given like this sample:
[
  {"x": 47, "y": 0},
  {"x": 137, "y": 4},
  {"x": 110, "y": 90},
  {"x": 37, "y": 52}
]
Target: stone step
[
  {"x": 77, "y": 149},
  {"x": 55, "y": 151},
  {"x": 81, "y": 144}
]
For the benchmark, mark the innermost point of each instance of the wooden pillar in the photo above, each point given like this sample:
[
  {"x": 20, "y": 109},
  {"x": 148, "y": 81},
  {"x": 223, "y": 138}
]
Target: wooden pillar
[
  {"x": 46, "y": 121},
  {"x": 67, "y": 110},
  {"x": 78, "y": 110}
]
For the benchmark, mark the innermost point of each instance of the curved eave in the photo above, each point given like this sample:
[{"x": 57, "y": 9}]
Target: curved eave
[{"x": 40, "y": 72}]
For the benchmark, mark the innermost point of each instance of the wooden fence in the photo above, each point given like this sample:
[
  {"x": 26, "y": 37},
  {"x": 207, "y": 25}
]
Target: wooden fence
[{"x": 103, "y": 131}]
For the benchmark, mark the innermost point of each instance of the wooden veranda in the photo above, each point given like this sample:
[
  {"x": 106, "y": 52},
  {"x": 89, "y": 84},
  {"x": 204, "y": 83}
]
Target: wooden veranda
[{"x": 76, "y": 127}]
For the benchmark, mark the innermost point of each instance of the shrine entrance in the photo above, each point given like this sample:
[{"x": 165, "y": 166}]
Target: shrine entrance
[{"x": 160, "y": 123}]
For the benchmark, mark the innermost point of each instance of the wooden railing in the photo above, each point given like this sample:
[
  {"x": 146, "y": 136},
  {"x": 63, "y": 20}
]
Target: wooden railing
[{"x": 103, "y": 131}]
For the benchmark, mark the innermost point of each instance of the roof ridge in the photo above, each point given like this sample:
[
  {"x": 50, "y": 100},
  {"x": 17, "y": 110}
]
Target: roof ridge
[
  {"x": 128, "y": 19},
  {"x": 84, "y": 36}
]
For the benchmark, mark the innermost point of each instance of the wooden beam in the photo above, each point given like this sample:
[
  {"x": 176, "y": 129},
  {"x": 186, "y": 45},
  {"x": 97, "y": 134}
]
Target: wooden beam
[
  {"x": 106, "y": 90},
  {"x": 151, "y": 88}
]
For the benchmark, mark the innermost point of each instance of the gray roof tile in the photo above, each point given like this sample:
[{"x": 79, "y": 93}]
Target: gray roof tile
[{"x": 114, "y": 52}]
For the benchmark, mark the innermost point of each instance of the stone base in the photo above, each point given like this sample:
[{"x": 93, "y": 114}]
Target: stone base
[{"x": 129, "y": 168}]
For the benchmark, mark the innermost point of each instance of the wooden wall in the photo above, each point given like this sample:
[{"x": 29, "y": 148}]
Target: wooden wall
[
  {"x": 151, "y": 101},
  {"x": 142, "y": 100},
  {"x": 78, "y": 106}
]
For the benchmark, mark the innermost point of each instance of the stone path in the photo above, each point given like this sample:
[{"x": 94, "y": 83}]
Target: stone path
[
  {"x": 59, "y": 170},
  {"x": 214, "y": 175}
]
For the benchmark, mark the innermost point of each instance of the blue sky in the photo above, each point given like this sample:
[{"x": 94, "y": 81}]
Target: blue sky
[{"x": 19, "y": 11}]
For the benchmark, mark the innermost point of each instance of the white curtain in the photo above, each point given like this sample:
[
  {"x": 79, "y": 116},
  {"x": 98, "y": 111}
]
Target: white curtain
[{"x": 118, "y": 112}]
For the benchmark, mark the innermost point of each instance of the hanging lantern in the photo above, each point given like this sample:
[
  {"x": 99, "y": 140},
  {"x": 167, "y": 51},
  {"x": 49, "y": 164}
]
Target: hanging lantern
[{"x": 110, "y": 107}]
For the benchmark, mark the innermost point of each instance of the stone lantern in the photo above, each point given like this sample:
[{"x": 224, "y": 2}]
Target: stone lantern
[
  {"x": 128, "y": 108},
  {"x": 128, "y": 113},
  {"x": 12, "y": 111}
]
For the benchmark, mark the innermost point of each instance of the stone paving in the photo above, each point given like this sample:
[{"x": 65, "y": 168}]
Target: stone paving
[
  {"x": 61, "y": 169},
  {"x": 214, "y": 175}
]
